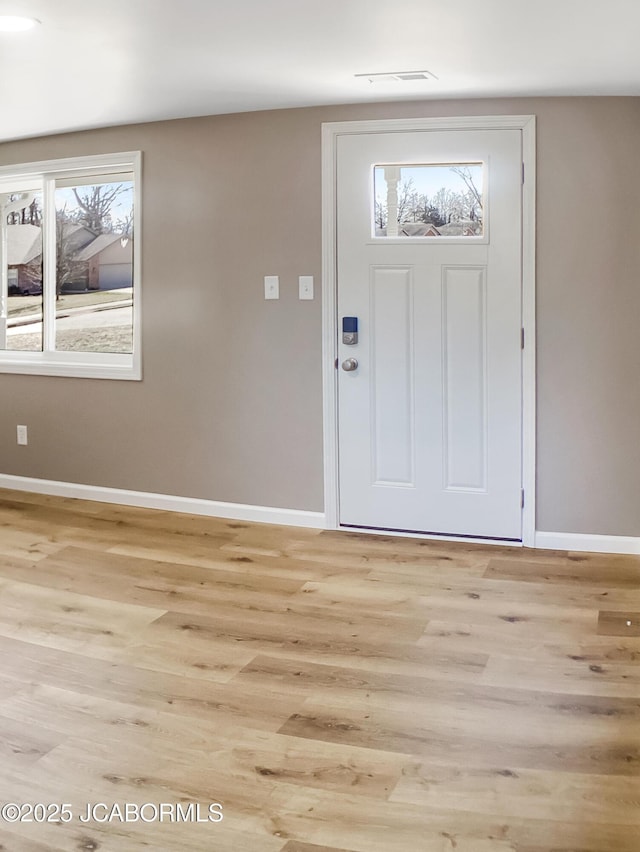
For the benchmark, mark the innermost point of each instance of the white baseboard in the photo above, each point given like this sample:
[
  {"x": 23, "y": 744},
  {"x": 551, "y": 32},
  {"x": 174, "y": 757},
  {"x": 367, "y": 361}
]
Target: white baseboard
[
  {"x": 588, "y": 543},
  {"x": 581, "y": 542},
  {"x": 147, "y": 500}
]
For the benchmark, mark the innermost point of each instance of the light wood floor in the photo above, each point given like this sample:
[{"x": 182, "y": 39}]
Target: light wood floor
[{"x": 332, "y": 691}]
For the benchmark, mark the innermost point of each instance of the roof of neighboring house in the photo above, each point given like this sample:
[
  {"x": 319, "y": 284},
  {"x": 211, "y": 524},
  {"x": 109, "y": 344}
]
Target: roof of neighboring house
[
  {"x": 77, "y": 236},
  {"x": 411, "y": 229},
  {"x": 100, "y": 243},
  {"x": 464, "y": 227},
  {"x": 24, "y": 244},
  {"x": 418, "y": 229}
]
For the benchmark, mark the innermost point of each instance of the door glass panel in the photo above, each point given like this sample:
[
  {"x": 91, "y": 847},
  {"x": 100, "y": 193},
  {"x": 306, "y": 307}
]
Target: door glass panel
[
  {"x": 21, "y": 324},
  {"x": 428, "y": 200}
]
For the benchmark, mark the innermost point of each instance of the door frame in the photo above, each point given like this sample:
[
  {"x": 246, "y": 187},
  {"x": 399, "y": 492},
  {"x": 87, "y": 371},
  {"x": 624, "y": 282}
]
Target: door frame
[{"x": 330, "y": 134}]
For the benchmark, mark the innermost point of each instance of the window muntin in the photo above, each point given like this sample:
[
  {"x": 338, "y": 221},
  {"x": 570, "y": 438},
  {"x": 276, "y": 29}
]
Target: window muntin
[
  {"x": 89, "y": 321},
  {"x": 427, "y": 200}
]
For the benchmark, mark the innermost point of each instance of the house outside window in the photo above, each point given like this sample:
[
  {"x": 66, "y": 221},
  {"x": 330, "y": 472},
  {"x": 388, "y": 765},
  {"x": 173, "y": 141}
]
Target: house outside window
[{"x": 70, "y": 267}]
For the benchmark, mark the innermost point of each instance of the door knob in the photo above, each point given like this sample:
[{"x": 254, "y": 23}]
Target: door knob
[{"x": 350, "y": 365}]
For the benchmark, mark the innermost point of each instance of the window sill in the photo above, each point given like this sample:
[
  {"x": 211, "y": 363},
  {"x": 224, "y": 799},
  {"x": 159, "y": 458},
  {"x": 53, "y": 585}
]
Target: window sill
[{"x": 84, "y": 365}]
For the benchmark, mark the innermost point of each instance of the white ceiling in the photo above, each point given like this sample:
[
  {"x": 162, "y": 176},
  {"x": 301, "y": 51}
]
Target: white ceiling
[{"x": 92, "y": 64}]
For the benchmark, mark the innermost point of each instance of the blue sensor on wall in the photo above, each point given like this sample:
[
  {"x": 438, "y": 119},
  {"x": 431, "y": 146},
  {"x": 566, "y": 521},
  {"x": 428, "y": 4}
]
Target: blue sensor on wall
[{"x": 349, "y": 330}]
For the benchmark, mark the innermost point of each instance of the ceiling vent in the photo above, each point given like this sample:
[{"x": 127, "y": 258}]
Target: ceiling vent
[{"x": 397, "y": 76}]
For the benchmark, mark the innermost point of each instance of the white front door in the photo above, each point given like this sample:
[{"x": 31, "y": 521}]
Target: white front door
[{"x": 429, "y": 261}]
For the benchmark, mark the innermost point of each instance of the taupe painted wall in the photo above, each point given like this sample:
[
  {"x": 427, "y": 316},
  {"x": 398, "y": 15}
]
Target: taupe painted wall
[{"x": 230, "y": 407}]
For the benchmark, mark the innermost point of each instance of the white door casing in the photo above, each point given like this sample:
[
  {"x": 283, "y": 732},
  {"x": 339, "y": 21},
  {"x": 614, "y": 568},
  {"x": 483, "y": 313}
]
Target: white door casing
[{"x": 436, "y": 428}]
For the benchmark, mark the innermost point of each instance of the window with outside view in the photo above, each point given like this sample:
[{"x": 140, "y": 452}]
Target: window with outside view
[
  {"x": 68, "y": 261},
  {"x": 23, "y": 212},
  {"x": 428, "y": 200}
]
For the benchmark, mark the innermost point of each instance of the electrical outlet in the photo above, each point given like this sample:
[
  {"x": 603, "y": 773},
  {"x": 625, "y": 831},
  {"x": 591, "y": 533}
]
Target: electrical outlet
[{"x": 22, "y": 435}]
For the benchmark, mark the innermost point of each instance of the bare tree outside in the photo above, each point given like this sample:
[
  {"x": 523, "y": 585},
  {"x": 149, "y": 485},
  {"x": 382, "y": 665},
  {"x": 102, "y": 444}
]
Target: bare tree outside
[
  {"x": 64, "y": 266},
  {"x": 94, "y": 206},
  {"x": 124, "y": 225},
  {"x": 406, "y": 200},
  {"x": 457, "y": 207},
  {"x": 29, "y": 215},
  {"x": 475, "y": 196}
]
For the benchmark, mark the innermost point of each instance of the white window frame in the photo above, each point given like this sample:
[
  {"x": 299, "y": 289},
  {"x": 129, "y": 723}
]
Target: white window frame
[{"x": 94, "y": 365}]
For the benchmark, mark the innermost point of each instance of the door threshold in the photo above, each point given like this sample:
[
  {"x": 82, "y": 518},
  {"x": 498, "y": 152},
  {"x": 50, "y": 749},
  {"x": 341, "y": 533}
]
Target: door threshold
[{"x": 432, "y": 536}]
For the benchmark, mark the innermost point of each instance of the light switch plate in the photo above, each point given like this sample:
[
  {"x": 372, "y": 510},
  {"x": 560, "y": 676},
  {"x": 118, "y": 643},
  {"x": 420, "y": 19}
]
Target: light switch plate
[
  {"x": 271, "y": 287},
  {"x": 305, "y": 286}
]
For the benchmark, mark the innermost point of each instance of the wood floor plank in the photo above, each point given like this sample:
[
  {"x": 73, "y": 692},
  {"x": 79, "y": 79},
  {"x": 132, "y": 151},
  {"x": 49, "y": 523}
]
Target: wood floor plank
[
  {"x": 301, "y": 634},
  {"x": 501, "y": 639},
  {"x": 402, "y": 729},
  {"x": 523, "y": 794},
  {"x": 394, "y": 828},
  {"x": 593, "y": 569},
  {"x": 204, "y": 556},
  {"x": 307, "y": 678},
  {"x": 23, "y": 544},
  {"x": 21, "y": 746},
  {"x": 72, "y": 525},
  {"x": 381, "y": 551},
  {"x": 132, "y": 837},
  {"x": 27, "y": 663},
  {"x": 164, "y": 585},
  {"x": 619, "y": 623},
  {"x": 356, "y": 687},
  {"x": 497, "y": 590},
  {"x": 11, "y": 842},
  {"x": 68, "y": 620},
  {"x": 96, "y": 773},
  {"x": 296, "y": 846},
  {"x": 239, "y": 751},
  {"x": 336, "y": 692},
  {"x": 579, "y": 677},
  {"x": 519, "y": 617}
]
